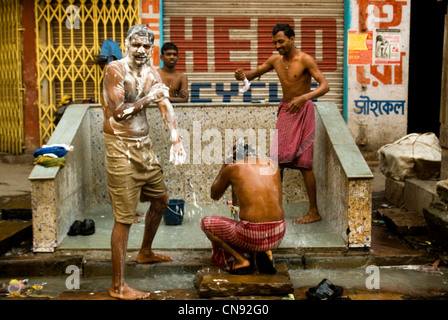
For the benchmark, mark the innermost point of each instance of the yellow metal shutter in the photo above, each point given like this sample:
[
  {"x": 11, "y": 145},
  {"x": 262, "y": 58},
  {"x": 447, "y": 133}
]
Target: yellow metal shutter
[
  {"x": 69, "y": 37},
  {"x": 11, "y": 89}
]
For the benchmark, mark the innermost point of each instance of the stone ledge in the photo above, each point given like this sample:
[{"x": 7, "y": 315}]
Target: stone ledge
[
  {"x": 214, "y": 282},
  {"x": 437, "y": 220},
  {"x": 419, "y": 194},
  {"x": 404, "y": 222},
  {"x": 394, "y": 191}
]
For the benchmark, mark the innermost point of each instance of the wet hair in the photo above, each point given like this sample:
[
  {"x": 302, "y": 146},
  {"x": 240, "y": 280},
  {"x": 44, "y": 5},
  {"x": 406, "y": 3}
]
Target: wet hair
[
  {"x": 241, "y": 151},
  {"x": 141, "y": 30},
  {"x": 286, "y": 28},
  {"x": 168, "y": 46}
]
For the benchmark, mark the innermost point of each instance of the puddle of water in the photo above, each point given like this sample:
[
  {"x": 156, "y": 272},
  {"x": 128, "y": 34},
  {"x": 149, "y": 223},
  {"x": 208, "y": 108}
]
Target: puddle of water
[{"x": 391, "y": 279}]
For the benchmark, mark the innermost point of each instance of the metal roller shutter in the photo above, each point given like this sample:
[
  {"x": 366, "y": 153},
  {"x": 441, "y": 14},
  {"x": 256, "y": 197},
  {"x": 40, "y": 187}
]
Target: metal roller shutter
[{"x": 216, "y": 37}]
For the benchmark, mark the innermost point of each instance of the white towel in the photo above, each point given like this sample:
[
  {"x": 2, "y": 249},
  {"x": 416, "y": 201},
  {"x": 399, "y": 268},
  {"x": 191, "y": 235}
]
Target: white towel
[{"x": 246, "y": 86}]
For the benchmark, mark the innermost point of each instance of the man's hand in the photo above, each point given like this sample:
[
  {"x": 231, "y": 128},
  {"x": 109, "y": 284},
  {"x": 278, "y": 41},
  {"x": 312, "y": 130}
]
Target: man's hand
[
  {"x": 177, "y": 153},
  {"x": 240, "y": 75},
  {"x": 183, "y": 93},
  {"x": 296, "y": 104},
  {"x": 178, "y": 147}
]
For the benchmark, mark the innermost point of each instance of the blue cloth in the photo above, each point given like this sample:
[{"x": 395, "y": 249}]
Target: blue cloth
[
  {"x": 110, "y": 50},
  {"x": 58, "y": 151}
]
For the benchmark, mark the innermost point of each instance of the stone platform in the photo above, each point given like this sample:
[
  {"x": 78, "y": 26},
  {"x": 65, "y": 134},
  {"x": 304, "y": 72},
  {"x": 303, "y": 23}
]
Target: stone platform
[
  {"x": 214, "y": 282},
  {"x": 404, "y": 222},
  {"x": 12, "y": 233}
]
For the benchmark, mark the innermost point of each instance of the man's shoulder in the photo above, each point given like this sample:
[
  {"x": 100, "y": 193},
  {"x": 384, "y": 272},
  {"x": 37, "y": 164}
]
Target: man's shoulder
[
  {"x": 182, "y": 74},
  {"x": 115, "y": 65},
  {"x": 274, "y": 58},
  {"x": 305, "y": 57}
]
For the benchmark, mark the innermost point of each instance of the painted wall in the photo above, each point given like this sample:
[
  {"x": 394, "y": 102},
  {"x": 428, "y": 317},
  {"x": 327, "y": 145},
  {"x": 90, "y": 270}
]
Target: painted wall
[
  {"x": 150, "y": 15},
  {"x": 378, "y": 67},
  {"x": 29, "y": 76}
]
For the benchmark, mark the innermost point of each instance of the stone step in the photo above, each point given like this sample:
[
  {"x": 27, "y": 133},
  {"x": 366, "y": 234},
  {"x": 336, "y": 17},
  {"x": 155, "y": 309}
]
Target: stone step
[
  {"x": 404, "y": 222},
  {"x": 437, "y": 220},
  {"x": 214, "y": 282},
  {"x": 12, "y": 233}
]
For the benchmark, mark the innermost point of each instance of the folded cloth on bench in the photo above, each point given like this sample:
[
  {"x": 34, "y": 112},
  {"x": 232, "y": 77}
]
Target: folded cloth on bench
[{"x": 58, "y": 151}]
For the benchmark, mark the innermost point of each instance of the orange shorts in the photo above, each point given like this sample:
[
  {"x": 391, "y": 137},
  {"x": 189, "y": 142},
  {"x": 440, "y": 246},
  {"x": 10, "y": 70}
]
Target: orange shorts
[{"x": 133, "y": 174}]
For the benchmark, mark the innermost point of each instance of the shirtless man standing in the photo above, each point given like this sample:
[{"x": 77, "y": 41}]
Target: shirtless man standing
[
  {"x": 133, "y": 171},
  {"x": 176, "y": 81},
  {"x": 261, "y": 224},
  {"x": 295, "y": 123}
]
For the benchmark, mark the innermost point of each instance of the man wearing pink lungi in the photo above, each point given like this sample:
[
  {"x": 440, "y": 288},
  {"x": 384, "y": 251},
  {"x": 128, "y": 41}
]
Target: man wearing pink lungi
[
  {"x": 261, "y": 224},
  {"x": 295, "y": 123},
  {"x": 292, "y": 145}
]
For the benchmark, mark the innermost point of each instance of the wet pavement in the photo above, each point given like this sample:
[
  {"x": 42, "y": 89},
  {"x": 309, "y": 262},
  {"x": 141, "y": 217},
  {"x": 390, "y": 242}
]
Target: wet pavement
[
  {"x": 401, "y": 269},
  {"x": 410, "y": 282}
]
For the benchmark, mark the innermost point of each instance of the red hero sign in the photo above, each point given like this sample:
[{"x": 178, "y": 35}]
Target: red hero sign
[{"x": 226, "y": 42}]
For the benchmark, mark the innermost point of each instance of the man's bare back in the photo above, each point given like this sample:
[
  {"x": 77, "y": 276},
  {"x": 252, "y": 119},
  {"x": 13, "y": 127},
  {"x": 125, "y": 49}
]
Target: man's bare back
[{"x": 259, "y": 195}]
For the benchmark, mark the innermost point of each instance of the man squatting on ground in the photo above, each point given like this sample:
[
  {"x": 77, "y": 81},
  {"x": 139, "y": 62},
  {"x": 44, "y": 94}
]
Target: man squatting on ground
[
  {"x": 295, "y": 129},
  {"x": 261, "y": 224},
  {"x": 133, "y": 172}
]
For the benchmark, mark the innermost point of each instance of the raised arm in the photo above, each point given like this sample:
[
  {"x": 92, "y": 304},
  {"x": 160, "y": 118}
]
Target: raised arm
[{"x": 267, "y": 66}]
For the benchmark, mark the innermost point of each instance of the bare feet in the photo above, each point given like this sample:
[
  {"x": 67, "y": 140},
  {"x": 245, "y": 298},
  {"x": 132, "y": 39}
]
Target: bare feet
[
  {"x": 139, "y": 214},
  {"x": 152, "y": 258},
  {"x": 308, "y": 218},
  {"x": 238, "y": 265},
  {"x": 127, "y": 293}
]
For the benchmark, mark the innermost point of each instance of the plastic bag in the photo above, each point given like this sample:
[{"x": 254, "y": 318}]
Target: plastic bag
[{"x": 413, "y": 155}]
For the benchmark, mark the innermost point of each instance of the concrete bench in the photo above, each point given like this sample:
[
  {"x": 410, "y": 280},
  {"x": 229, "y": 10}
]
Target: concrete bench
[{"x": 62, "y": 195}]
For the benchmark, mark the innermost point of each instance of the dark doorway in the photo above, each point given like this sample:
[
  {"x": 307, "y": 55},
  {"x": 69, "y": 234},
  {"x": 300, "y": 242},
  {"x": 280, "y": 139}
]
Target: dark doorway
[{"x": 425, "y": 65}]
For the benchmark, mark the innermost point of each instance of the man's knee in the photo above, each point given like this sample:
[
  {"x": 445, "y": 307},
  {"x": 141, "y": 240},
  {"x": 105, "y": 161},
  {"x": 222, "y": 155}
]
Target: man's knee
[
  {"x": 160, "y": 204},
  {"x": 306, "y": 172},
  {"x": 204, "y": 224}
]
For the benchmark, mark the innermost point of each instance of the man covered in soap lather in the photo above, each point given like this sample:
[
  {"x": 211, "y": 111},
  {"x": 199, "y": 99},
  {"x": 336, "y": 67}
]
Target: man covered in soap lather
[
  {"x": 133, "y": 172},
  {"x": 261, "y": 224}
]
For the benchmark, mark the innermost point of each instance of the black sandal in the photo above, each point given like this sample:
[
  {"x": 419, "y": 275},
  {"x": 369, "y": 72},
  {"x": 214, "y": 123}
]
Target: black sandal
[
  {"x": 87, "y": 227},
  {"x": 325, "y": 290},
  {"x": 75, "y": 228}
]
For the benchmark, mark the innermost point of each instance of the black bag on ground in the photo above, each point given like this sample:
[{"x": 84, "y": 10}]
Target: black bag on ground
[{"x": 325, "y": 290}]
